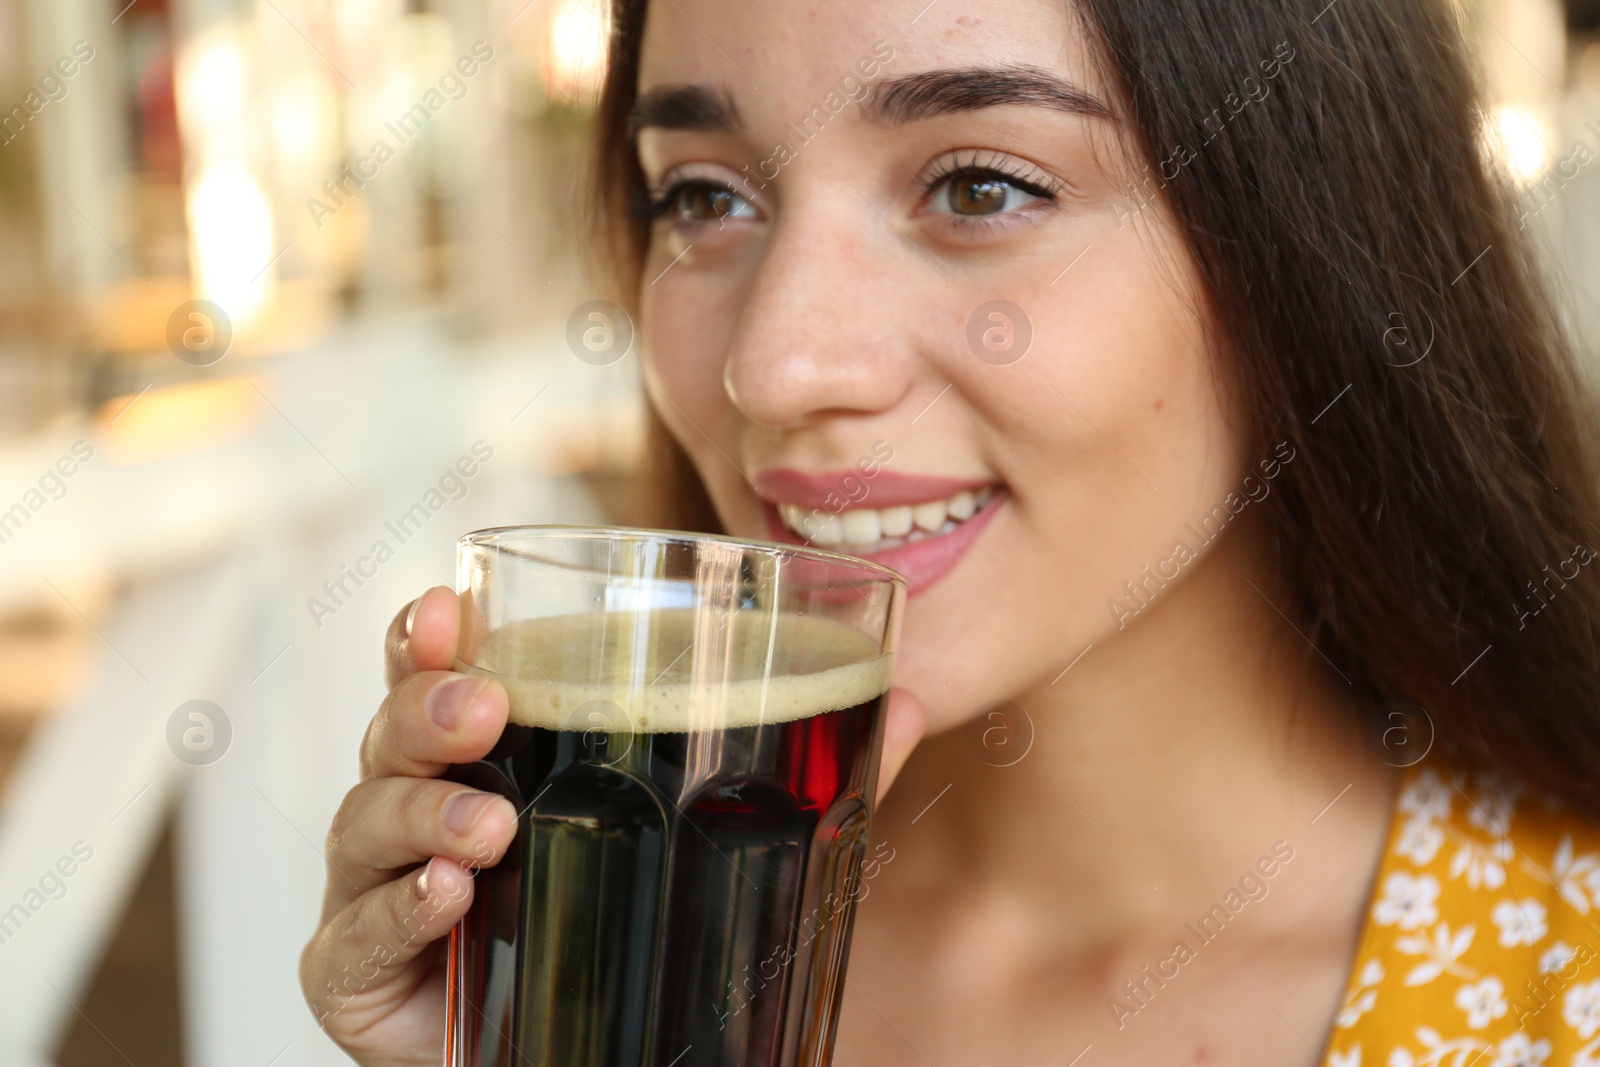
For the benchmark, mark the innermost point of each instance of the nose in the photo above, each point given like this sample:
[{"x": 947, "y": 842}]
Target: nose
[{"x": 824, "y": 328}]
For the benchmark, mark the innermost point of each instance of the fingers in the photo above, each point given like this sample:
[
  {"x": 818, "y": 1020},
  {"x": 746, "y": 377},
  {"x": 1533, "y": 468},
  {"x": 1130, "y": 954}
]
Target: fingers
[
  {"x": 370, "y": 941},
  {"x": 385, "y": 824},
  {"x": 906, "y": 721},
  {"x": 430, "y": 720},
  {"x": 423, "y": 635}
]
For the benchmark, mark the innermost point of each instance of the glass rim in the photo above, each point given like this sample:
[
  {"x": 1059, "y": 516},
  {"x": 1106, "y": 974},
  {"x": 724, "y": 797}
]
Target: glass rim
[{"x": 489, "y": 535}]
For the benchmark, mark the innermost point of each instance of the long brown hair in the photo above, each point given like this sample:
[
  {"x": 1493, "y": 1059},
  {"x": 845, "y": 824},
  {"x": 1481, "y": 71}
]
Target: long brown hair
[{"x": 1384, "y": 312}]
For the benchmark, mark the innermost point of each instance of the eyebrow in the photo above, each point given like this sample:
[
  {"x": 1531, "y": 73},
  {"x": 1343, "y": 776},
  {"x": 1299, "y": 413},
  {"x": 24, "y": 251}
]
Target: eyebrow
[
  {"x": 931, "y": 93},
  {"x": 891, "y": 102},
  {"x": 684, "y": 107}
]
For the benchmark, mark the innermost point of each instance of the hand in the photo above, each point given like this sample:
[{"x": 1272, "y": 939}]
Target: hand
[
  {"x": 902, "y": 730},
  {"x": 380, "y": 944}
]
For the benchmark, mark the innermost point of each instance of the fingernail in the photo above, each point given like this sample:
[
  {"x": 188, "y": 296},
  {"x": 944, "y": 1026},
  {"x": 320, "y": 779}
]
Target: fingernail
[
  {"x": 448, "y": 703},
  {"x": 411, "y": 616},
  {"x": 462, "y": 811},
  {"x": 422, "y": 880}
]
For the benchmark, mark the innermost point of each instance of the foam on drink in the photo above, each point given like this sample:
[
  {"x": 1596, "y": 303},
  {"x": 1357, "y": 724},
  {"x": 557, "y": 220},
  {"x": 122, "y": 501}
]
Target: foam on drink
[{"x": 771, "y": 668}]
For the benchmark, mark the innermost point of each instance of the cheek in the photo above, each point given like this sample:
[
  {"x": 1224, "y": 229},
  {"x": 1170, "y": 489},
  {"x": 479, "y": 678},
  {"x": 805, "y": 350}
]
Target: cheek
[
  {"x": 1113, "y": 435},
  {"x": 1114, "y": 419},
  {"x": 685, "y": 331},
  {"x": 1146, "y": 430}
]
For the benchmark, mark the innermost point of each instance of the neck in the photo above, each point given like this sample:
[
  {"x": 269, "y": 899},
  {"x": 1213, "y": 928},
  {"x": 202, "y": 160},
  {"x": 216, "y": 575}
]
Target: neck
[{"x": 1163, "y": 765}]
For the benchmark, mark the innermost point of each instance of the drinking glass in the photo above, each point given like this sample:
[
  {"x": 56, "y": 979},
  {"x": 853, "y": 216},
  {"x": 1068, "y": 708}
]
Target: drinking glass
[{"x": 693, "y": 749}]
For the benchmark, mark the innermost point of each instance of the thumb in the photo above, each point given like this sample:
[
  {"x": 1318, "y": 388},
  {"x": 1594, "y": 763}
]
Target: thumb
[{"x": 904, "y": 727}]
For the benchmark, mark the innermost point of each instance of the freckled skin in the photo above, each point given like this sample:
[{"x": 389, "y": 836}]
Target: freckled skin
[
  {"x": 760, "y": 329},
  {"x": 824, "y": 317}
]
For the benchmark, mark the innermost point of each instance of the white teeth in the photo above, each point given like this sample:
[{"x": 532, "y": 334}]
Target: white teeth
[
  {"x": 880, "y": 529},
  {"x": 929, "y": 516},
  {"x": 861, "y": 526},
  {"x": 896, "y": 522},
  {"x": 876, "y": 530},
  {"x": 825, "y": 529}
]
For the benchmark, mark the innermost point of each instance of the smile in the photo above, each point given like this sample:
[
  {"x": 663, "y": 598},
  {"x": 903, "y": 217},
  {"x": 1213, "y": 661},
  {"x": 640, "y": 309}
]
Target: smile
[
  {"x": 920, "y": 535},
  {"x": 861, "y": 530}
]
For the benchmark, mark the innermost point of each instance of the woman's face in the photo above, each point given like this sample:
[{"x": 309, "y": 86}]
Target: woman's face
[{"x": 844, "y": 192}]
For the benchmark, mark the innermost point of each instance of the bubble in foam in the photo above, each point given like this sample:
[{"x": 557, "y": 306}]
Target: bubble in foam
[{"x": 678, "y": 670}]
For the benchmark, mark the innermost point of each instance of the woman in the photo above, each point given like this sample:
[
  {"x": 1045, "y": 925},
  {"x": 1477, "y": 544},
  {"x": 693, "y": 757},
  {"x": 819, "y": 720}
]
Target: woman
[{"x": 1247, "y": 706}]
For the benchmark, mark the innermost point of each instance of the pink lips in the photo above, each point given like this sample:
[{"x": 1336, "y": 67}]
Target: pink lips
[{"x": 922, "y": 562}]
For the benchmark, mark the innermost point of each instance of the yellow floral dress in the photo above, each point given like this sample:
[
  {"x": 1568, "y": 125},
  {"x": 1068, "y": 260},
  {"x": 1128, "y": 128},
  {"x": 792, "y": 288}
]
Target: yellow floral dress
[{"x": 1481, "y": 947}]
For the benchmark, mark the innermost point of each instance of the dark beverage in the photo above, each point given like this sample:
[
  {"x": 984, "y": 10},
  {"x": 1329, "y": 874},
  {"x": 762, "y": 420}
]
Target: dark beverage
[{"x": 680, "y": 891}]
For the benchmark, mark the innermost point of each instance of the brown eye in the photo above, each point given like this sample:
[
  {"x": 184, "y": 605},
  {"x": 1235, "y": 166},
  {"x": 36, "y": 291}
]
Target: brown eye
[
  {"x": 695, "y": 203},
  {"x": 705, "y": 203},
  {"x": 974, "y": 193},
  {"x": 977, "y": 195}
]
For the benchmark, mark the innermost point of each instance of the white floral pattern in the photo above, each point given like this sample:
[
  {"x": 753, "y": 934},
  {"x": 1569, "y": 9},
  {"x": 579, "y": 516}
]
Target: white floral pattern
[
  {"x": 1360, "y": 1000},
  {"x": 1420, "y": 840},
  {"x": 1442, "y": 949},
  {"x": 1482, "y": 863},
  {"x": 1491, "y": 809},
  {"x": 1519, "y": 1051},
  {"x": 1482, "y": 942},
  {"x": 1555, "y": 958},
  {"x": 1576, "y": 876},
  {"x": 1435, "y": 1051},
  {"x": 1483, "y": 1001},
  {"x": 1581, "y": 1009},
  {"x": 1521, "y": 922},
  {"x": 1427, "y": 795},
  {"x": 1408, "y": 901}
]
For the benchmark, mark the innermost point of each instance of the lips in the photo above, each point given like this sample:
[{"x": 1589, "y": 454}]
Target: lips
[{"x": 923, "y": 552}]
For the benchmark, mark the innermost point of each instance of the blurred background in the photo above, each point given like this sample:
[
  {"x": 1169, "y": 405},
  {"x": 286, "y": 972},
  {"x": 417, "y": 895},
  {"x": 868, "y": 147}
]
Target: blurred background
[{"x": 287, "y": 297}]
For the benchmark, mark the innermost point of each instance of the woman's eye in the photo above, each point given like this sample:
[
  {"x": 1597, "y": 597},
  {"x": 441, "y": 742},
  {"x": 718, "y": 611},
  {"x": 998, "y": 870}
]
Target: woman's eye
[
  {"x": 694, "y": 202},
  {"x": 979, "y": 193}
]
